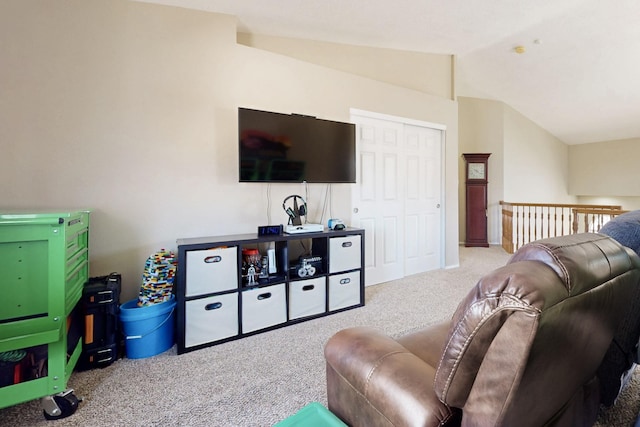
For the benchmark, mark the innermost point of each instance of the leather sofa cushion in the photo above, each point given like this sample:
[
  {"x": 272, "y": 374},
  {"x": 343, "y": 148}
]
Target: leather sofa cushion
[
  {"x": 525, "y": 347},
  {"x": 579, "y": 260},
  {"x": 372, "y": 380},
  {"x": 525, "y": 288},
  {"x": 582, "y": 261},
  {"x": 562, "y": 295}
]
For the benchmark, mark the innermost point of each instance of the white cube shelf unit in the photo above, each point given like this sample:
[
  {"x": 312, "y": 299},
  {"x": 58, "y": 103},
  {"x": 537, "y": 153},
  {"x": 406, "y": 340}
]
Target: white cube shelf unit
[{"x": 221, "y": 298}]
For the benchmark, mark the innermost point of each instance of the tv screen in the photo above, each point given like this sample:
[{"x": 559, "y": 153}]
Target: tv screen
[{"x": 276, "y": 147}]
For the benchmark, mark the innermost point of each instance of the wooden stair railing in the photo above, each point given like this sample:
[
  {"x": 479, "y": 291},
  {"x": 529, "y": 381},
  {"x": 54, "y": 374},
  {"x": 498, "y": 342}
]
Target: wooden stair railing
[
  {"x": 525, "y": 222},
  {"x": 593, "y": 220}
]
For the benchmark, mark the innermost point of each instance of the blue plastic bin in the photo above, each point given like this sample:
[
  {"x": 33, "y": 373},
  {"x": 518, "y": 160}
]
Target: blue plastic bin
[{"x": 148, "y": 330}]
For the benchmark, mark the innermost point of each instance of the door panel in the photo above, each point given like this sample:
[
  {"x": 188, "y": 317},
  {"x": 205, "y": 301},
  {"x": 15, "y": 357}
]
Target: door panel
[
  {"x": 396, "y": 199},
  {"x": 377, "y": 200},
  {"x": 422, "y": 207},
  {"x": 368, "y": 225}
]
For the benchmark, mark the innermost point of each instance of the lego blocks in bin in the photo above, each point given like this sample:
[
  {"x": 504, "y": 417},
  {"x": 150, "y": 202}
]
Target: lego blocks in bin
[{"x": 157, "y": 279}]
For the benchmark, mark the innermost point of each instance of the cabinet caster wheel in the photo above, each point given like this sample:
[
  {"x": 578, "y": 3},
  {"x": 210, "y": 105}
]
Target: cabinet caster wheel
[{"x": 60, "y": 405}]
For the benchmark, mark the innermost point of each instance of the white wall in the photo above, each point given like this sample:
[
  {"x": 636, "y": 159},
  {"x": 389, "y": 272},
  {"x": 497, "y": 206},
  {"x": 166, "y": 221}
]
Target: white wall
[{"x": 130, "y": 110}]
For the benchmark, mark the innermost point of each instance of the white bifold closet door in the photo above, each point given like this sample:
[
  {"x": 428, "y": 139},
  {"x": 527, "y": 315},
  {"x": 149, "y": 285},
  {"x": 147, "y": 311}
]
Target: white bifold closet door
[{"x": 398, "y": 195}]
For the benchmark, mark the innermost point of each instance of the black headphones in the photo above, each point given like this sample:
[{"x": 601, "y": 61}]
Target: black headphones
[{"x": 297, "y": 211}]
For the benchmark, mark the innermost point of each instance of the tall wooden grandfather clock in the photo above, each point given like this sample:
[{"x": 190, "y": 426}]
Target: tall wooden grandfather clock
[{"x": 476, "y": 174}]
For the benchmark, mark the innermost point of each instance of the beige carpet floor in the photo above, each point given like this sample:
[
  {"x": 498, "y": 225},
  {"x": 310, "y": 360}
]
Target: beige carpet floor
[{"x": 262, "y": 379}]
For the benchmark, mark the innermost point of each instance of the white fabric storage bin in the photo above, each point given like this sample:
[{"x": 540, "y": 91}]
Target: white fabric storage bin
[
  {"x": 210, "y": 319},
  {"x": 263, "y": 307},
  {"x": 344, "y": 253},
  {"x": 307, "y": 297},
  {"x": 211, "y": 270},
  {"x": 344, "y": 290}
]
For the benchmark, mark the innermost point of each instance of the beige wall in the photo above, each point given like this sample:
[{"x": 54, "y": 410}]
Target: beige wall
[
  {"x": 535, "y": 162},
  {"x": 627, "y": 203},
  {"x": 606, "y": 173},
  {"x": 608, "y": 168},
  {"x": 527, "y": 163},
  {"x": 130, "y": 110},
  {"x": 481, "y": 128},
  {"x": 428, "y": 73}
]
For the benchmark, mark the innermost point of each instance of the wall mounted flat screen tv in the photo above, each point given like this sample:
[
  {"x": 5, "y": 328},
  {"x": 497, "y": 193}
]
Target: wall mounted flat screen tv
[{"x": 276, "y": 147}]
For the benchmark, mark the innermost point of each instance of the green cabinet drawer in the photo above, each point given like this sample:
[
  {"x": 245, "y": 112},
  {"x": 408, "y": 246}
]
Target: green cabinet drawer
[{"x": 45, "y": 266}]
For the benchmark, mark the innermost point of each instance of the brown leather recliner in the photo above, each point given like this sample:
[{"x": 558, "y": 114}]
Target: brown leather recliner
[{"x": 541, "y": 341}]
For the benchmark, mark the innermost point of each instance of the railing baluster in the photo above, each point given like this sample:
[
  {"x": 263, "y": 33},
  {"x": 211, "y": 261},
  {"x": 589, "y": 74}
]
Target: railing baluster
[
  {"x": 548, "y": 221},
  {"x": 526, "y": 222},
  {"x": 517, "y": 240},
  {"x": 529, "y": 221}
]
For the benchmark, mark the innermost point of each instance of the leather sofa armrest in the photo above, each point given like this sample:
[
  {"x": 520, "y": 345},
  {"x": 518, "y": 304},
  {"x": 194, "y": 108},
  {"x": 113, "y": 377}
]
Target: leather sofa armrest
[{"x": 372, "y": 380}]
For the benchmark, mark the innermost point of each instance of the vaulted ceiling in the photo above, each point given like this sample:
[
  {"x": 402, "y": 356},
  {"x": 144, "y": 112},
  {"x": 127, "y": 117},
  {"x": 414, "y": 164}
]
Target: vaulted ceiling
[{"x": 577, "y": 77}]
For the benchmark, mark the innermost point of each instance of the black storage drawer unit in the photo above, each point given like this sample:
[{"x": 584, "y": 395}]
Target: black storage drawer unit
[{"x": 229, "y": 287}]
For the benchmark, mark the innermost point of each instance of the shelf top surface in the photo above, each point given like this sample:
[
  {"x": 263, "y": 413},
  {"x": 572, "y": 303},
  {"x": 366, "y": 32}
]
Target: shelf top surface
[{"x": 255, "y": 237}]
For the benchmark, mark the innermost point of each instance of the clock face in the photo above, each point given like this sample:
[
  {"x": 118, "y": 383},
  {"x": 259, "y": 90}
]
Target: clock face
[{"x": 476, "y": 171}]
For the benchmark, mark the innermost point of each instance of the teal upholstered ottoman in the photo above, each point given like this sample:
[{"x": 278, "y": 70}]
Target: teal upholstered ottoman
[{"x": 312, "y": 415}]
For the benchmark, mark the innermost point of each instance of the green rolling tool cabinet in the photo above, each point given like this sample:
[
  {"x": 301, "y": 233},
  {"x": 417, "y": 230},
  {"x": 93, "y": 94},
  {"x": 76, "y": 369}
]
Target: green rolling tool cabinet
[{"x": 45, "y": 264}]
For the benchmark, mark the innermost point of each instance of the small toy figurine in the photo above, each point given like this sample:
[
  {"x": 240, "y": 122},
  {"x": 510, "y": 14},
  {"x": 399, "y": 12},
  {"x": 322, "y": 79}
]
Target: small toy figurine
[{"x": 251, "y": 275}]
